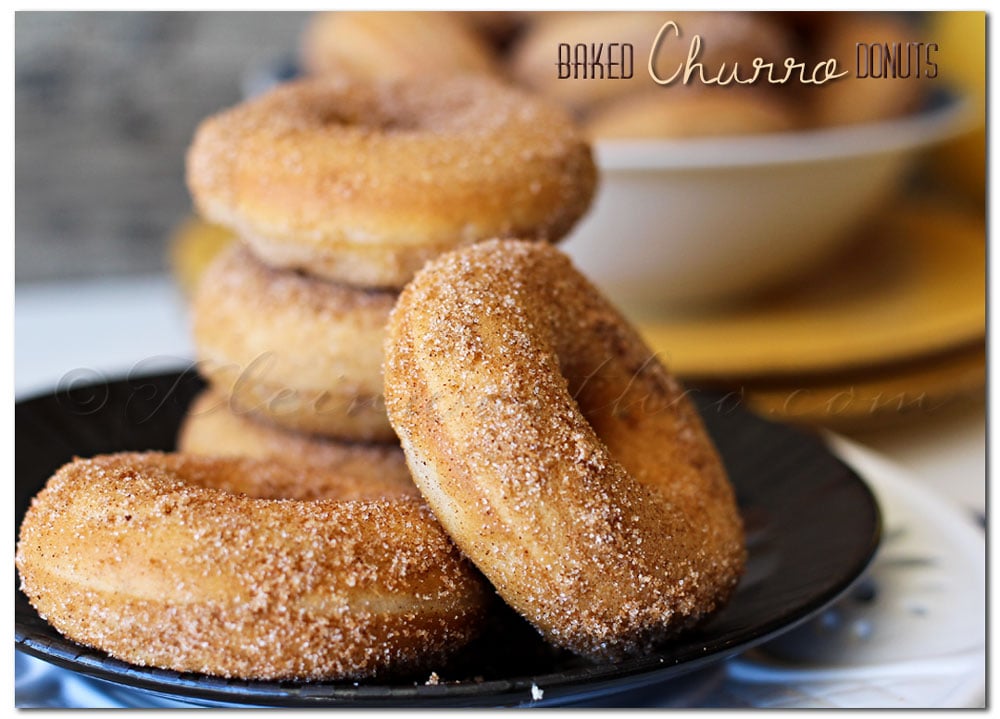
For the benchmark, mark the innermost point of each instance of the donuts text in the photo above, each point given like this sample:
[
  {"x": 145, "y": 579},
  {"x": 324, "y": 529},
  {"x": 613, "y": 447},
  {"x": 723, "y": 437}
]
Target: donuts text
[{"x": 896, "y": 60}]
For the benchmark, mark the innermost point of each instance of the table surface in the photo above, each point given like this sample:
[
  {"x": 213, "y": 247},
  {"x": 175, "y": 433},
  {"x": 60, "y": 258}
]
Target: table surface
[{"x": 111, "y": 327}]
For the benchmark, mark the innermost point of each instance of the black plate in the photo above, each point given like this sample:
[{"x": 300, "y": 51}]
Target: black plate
[{"x": 812, "y": 528}]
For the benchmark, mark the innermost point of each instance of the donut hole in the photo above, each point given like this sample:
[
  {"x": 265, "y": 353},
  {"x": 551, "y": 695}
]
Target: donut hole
[
  {"x": 339, "y": 116},
  {"x": 336, "y": 117},
  {"x": 631, "y": 403}
]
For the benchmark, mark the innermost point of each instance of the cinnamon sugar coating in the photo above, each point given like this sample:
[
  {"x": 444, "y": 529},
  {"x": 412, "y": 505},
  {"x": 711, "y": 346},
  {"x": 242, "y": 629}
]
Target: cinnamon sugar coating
[
  {"x": 217, "y": 566},
  {"x": 362, "y": 182},
  {"x": 212, "y": 427},
  {"x": 302, "y": 353},
  {"x": 558, "y": 452}
]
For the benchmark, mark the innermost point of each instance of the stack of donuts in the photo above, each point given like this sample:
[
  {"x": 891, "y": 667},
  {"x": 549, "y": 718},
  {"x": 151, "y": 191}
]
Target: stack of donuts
[
  {"x": 340, "y": 190},
  {"x": 543, "y": 455}
]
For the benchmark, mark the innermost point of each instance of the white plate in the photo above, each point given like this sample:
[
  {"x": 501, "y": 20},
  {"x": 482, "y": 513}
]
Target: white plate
[{"x": 912, "y": 636}]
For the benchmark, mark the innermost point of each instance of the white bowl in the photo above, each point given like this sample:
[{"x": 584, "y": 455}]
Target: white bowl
[{"x": 689, "y": 222}]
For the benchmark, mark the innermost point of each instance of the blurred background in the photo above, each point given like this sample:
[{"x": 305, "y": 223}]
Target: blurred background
[{"x": 105, "y": 105}]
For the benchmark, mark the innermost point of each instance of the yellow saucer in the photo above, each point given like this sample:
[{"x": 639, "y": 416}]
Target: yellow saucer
[
  {"x": 192, "y": 247},
  {"x": 880, "y": 397},
  {"x": 914, "y": 284}
]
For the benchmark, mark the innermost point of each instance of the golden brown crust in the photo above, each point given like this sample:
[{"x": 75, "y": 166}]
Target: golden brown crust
[
  {"x": 379, "y": 45},
  {"x": 213, "y": 428},
  {"x": 303, "y": 353},
  {"x": 363, "y": 182},
  {"x": 157, "y": 560},
  {"x": 557, "y": 451}
]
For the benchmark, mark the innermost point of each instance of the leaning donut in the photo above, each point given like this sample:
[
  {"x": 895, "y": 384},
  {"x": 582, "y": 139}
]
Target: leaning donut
[
  {"x": 298, "y": 352},
  {"x": 557, "y": 451},
  {"x": 213, "y": 428},
  {"x": 362, "y": 182},
  {"x": 194, "y": 564}
]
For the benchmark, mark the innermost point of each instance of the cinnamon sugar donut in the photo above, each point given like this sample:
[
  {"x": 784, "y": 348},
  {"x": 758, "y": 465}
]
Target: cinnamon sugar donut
[
  {"x": 374, "y": 45},
  {"x": 362, "y": 182},
  {"x": 211, "y": 427},
  {"x": 219, "y": 566},
  {"x": 557, "y": 451},
  {"x": 299, "y": 352}
]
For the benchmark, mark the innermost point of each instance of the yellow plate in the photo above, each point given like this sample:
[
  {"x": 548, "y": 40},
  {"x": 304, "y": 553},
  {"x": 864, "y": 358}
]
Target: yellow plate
[
  {"x": 874, "y": 398},
  {"x": 193, "y": 246},
  {"x": 914, "y": 284}
]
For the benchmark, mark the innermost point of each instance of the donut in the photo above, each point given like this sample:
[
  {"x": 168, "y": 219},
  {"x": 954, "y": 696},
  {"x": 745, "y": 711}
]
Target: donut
[
  {"x": 212, "y": 428},
  {"x": 557, "y": 451},
  {"x": 727, "y": 37},
  {"x": 299, "y": 352},
  {"x": 396, "y": 45},
  {"x": 217, "y": 566},
  {"x": 363, "y": 182},
  {"x": 663, "y": 113}
]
